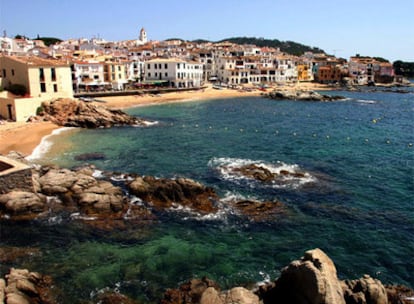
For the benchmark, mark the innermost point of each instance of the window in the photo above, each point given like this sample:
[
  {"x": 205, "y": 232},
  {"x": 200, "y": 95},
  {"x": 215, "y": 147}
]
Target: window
[
  {"x": 178, "y": 65},
  {"x": 119, "y": 76},
  {"x": 119, "y": 68},
  {"x": 155, "y": 66},
  {"x": 53, "y": 71},
  {"x": 41, "y": 74},
  {"x": 43, "y": 87},
  {"x": 159, "y": 66},
  {"x": 12, "y": 72},
  {"x": 149, "y": 74},
  {"x": 55, "y": 88},
  {"x": 149, "y": 66},
  {"x": 4, "y": 72},
  {"x": 166, "y": 74},
  {"x": 165, "y": 66}
]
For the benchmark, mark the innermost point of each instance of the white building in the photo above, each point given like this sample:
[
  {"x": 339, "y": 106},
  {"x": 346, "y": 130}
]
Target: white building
[
  {"x": 177, "y": 72},
  {"x": 88, "y": 75}
]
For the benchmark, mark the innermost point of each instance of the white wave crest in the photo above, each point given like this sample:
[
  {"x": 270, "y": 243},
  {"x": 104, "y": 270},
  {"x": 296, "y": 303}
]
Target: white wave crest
[
  {"x": 366, "y": 101},
  {"x": 286, "y": 175},
  {"x": 45, "y": 144}
]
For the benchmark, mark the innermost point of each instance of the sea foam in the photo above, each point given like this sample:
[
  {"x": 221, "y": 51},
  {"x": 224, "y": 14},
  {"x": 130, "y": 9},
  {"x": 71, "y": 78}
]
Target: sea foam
[{"x": 45, "y": 144}]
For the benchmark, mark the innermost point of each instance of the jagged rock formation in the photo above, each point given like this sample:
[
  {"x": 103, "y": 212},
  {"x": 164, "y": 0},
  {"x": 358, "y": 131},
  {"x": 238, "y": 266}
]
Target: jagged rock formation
[
  {"x": 301, "y": 95},
  {"x": 364, "y": 290},
  {"x": 310, "y": 280},
  {"x": 265, "y": 175},
  {"x": 24, "y": 287},
  {"x": 76, "y": 113},
  {"x": 164, "y": 193}
]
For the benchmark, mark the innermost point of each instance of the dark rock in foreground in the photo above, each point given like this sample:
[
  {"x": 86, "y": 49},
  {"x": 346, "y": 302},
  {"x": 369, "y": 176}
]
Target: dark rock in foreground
[
  {"x": 76, "y": 113},
  {"x": 302, "y": 95},
  {"x": 24, "y": 287}
]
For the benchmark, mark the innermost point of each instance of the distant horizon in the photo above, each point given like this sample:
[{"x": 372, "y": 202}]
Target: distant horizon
[{"x": 345, "y": 28}]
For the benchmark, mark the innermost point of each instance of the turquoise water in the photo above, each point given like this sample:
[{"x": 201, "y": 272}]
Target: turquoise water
[{"x": 356, "y": 202}]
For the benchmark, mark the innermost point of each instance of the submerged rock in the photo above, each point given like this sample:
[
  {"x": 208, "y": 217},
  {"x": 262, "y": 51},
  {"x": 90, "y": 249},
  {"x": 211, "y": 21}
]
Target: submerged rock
[
  {"x": 76, "y": 113},
  {"x": 259, "y": 211},
  {"x": 90, "y": 156}
]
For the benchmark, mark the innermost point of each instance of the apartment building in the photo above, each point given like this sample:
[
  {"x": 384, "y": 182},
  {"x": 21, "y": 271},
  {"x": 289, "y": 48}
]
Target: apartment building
[
  {"x": 43, "y": 79},
  {"x": 174, "y": 72}
]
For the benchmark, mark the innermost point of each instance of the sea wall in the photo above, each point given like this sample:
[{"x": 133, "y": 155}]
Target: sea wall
[{"x": 14, "y": 175}]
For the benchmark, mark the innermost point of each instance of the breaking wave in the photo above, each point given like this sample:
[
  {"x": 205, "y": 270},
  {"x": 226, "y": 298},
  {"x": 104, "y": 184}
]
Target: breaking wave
[{"x": 281, "y": 175}]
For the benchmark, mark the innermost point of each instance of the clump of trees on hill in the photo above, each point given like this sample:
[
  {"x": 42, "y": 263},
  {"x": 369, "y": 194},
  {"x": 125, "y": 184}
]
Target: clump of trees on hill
[
  {"x": 290, "y": 47},
  {"x": 405, "y": 69}
]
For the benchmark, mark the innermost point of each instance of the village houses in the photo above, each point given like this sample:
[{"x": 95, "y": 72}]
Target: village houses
[{"x": 90, "y": 65}]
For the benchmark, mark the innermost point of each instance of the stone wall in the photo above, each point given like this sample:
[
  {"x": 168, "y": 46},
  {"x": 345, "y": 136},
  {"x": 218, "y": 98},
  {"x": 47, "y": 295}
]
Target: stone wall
[
  {"x": 14, "y": 175},
  {"x": 18, "y": 180}
]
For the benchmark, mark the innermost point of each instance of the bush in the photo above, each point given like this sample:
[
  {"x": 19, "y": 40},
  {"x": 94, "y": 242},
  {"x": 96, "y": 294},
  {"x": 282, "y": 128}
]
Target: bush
[{"x": 17, "y": 89}]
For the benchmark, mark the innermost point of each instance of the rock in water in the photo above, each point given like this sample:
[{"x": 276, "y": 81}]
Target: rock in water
[
  {"x": 311, "y": 280},
  {"x": 301, "y": 95},
  {"x": 164, "y": 193}
]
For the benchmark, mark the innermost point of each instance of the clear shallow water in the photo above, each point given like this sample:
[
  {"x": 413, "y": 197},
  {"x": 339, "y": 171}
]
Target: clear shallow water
[{"x": 356, "y": 203}]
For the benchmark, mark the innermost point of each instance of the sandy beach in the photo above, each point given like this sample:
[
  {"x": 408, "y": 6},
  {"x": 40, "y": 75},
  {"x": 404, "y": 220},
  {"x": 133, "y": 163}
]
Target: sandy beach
[{"x": 24, "y": 137}]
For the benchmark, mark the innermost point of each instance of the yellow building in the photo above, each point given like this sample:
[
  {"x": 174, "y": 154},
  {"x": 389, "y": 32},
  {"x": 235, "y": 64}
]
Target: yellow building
[
  {"x": 303, "y": 72},
  {"x": 116, "y": 74},
  {"x": 44, "y": 79}
]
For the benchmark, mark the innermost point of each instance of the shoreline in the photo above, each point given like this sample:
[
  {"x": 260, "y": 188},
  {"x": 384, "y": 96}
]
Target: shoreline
[{"x": 25, "y": 137}]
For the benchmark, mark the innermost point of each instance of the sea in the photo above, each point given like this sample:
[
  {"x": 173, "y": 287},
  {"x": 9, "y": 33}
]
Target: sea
[{"x": 354, "y": 198}]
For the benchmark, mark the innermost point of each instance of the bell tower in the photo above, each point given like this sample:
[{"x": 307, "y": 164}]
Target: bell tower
[{"x": 143, "y": 36}]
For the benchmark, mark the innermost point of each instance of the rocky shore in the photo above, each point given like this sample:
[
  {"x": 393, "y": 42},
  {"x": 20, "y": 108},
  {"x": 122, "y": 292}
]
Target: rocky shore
[
  {"x": 310, "y": 280},
  {"x": 301, "y": 95}
]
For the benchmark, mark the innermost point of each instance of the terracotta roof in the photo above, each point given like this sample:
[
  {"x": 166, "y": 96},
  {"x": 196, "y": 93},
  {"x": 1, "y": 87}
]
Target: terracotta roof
[{"x": 37, "y": 61}]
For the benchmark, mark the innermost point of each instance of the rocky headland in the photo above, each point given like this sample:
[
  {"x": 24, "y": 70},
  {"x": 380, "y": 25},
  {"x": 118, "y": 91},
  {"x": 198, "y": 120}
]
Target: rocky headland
[
  {"x": 301, "y": 95},
  {"x": 76, "y": 113}
]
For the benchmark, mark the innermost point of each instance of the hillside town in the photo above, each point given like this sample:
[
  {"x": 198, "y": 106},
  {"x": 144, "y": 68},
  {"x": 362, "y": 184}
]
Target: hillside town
[{"x": 31, "y": 70}]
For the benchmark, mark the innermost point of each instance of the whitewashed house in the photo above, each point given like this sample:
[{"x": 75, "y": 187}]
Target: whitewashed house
[{"x": 174, "y": 72}]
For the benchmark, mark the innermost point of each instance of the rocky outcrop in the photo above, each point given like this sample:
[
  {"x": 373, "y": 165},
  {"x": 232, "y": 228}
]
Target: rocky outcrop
[
  {"x": 189, "y": 292},
  {"x": 365, "y": 290},
  {"x": 302, "y": 95},
  {"x": 310, "y": 280},
  {"x": 77, "y": 194},
  {"x": 22, "y": 205},
  {"x": 206, "y": 291},
  {"x": 399, "y": 294},
  {"x": 165, "y": 193},
  {"x": 93, "y": 197},
  {"x": 24, "y": 287},
  {"x": 76, "y": 113},
  {"x": 263, "y": 174}
]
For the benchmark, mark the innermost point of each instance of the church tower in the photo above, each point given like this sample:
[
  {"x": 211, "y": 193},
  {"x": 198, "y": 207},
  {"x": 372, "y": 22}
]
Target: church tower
[{"x": 143, "y": 36}]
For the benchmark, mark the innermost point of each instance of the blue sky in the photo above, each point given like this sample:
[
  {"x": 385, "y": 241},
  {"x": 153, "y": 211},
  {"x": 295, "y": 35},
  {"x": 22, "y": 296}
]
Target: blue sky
[{"x": 382, "y": 28}]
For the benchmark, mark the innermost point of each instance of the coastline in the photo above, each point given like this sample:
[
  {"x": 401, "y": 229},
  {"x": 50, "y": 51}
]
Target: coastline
[{"x": 25, "y": 137}]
